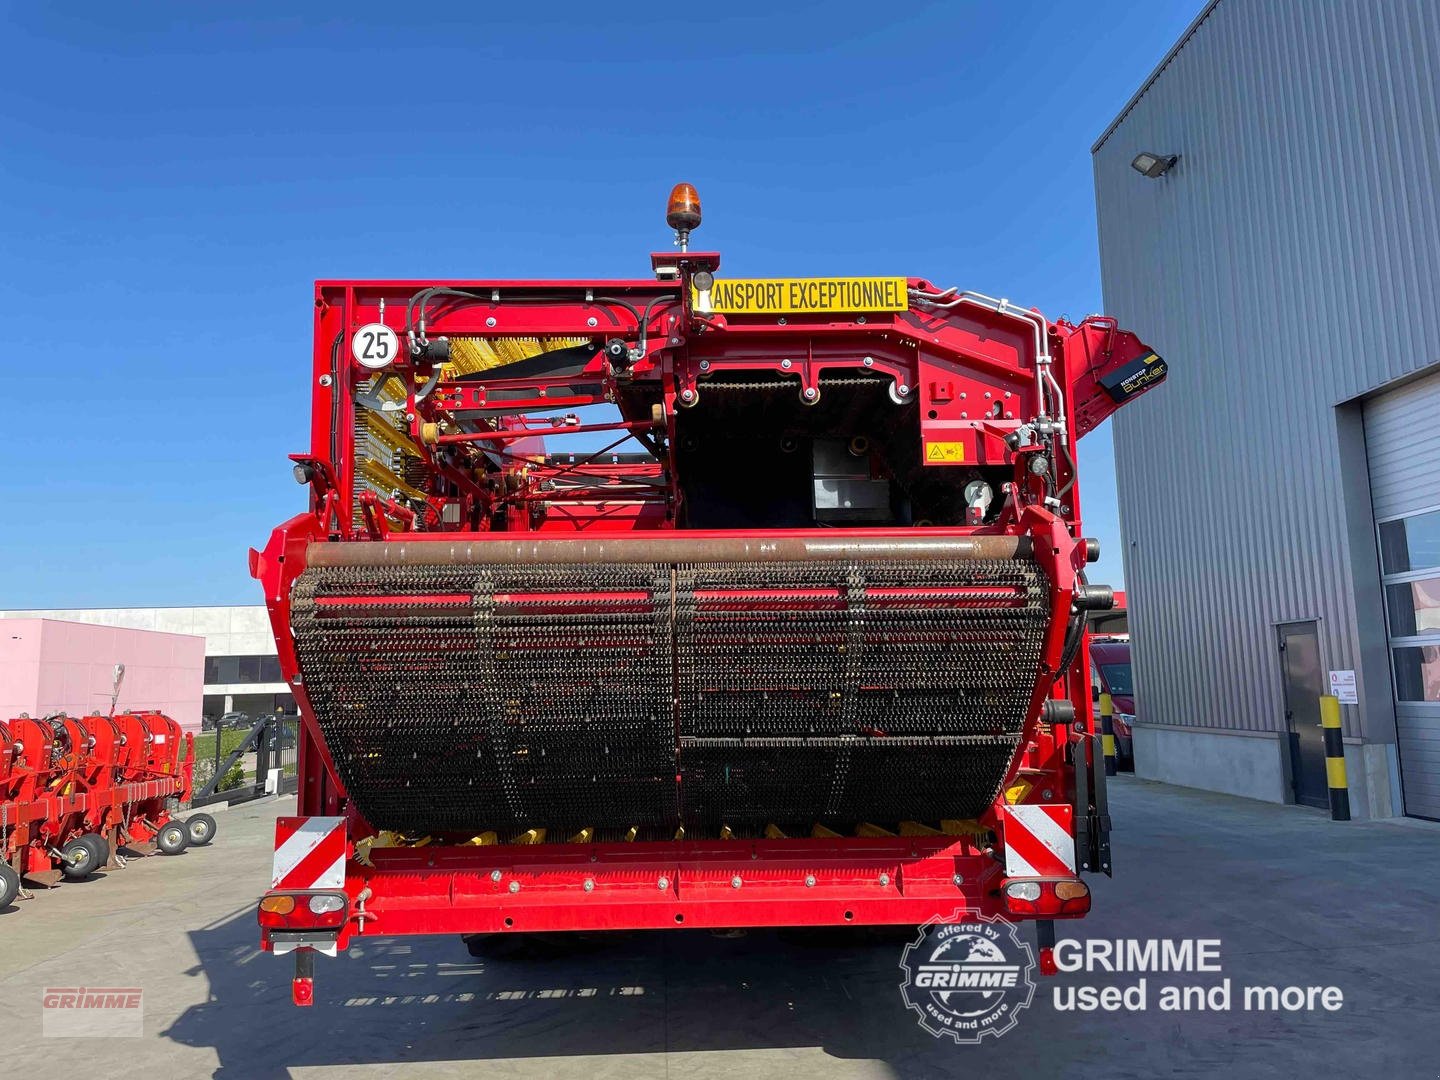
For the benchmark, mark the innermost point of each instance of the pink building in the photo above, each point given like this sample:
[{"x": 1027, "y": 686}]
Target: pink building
[{"x": 48, "y": 666}]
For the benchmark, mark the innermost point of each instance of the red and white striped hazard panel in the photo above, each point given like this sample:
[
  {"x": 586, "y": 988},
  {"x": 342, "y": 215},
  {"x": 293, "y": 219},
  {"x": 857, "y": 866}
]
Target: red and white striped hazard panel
[
  {"x": 1039, "y": 841},
  {"x": 309, "y": 853}
]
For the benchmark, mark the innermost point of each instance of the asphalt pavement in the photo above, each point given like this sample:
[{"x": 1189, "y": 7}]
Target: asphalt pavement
[{"x": 1293, "y": 899}]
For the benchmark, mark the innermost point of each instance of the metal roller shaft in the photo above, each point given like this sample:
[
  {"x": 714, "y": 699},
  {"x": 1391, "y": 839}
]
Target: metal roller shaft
[{"x": 505, "y": 550}]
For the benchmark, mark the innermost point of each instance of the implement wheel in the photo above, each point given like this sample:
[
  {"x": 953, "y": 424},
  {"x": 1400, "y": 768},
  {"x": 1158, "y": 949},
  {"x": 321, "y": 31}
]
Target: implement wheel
[
  {"x": 201, "y": 828},
  {"x": 79, "y": 858},
  {"x": 100, "y": 845},
  {"x": 9, "y": 885},
  {"x": 173, "y": 838}
]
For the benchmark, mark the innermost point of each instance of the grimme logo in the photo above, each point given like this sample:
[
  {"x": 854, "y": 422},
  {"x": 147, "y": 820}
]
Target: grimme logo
[
  {"x": 967, "y": 980},
  {"x": 92, "y": 1011}
]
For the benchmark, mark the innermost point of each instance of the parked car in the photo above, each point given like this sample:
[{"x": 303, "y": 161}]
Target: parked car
[
  {"x": 1111, "y": 675},
  {"x": 282, "y": 733}
]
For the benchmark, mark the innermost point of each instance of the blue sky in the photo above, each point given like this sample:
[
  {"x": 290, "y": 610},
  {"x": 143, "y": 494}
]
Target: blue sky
[{"x": 173, "y": 181}]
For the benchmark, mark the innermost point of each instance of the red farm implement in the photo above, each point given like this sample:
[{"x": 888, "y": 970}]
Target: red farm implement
[
  {"x": 787, "y": 627},
  {"x": 74, "y": 790}
]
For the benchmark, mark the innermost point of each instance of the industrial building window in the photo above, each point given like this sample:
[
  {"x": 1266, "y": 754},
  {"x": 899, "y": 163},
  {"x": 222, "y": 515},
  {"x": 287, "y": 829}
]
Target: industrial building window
[
  {"x": 1411, "y": 543},
  {"x": 231, "y": 670},
  {"x": 1410, "y": 571},
  {"x": 1414, "y": 607},
  {"x": 1417, "y": 673}
]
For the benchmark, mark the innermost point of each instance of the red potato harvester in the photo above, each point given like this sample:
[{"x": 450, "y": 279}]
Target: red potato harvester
[
  {"x": 790, "y": 631},
  {"x": 75, "y": 789}
]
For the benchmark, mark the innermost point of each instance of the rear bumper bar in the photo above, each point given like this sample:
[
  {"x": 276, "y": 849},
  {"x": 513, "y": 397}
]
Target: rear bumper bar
[{"x": 732, "y": 883}]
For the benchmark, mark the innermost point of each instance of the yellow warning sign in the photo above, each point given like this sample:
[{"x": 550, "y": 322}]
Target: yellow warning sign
[
  {"x": 945, "y": 453},
  {"x": 784, "y": 296}
]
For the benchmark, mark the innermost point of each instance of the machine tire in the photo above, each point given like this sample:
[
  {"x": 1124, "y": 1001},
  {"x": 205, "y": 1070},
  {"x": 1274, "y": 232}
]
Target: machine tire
[
  {"x": 9, "y": 885},
  {"x": 514, "y": 947},
  {"x": 173, "y": 838},
  {"x": 101, "y": 847},
  {"x": 848, "y": 937},
  {"x": 79, "y": 858},
  {"x": 201, "y": 829},
  {"x": 533, "y": 947}
]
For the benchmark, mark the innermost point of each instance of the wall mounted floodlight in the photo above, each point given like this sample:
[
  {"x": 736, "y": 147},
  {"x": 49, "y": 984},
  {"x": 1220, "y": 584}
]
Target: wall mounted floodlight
[{"x": 1154, "y": 165}]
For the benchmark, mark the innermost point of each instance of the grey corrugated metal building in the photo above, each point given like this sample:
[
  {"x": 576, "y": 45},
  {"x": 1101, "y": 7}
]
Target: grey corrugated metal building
[{"x": 1283, "y": 487}]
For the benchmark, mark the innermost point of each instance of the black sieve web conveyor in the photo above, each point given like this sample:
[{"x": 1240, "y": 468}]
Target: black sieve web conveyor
[{"x": 650, "y": 684}]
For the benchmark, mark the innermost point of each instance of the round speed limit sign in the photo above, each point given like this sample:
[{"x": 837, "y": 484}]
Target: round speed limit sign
[{"x": 374, "y": 346}]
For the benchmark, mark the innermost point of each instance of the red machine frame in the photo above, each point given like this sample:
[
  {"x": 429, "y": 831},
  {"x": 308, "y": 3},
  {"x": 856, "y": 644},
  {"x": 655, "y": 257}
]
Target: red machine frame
[
  {"x": 983, "y": 370},
  {"x": 115, "y": 779}
]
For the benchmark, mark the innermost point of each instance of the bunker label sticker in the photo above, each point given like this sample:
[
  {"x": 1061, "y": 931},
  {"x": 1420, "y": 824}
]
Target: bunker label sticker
[
  {"x": 1130, "y": 379},
  {"x": 786, "y": 296},
  {"x": 945, "y": 453}
]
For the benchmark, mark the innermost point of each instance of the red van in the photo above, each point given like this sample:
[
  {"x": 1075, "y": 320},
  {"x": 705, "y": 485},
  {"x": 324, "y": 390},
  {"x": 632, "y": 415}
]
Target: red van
[{"x": 1111, "y": 675}]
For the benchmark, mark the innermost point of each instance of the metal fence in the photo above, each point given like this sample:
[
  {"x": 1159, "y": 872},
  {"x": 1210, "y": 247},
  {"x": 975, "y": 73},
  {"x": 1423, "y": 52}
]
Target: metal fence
[{"x": 235, "y": 763}]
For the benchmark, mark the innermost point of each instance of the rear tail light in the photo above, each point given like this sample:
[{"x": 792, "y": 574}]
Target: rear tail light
[
  {"x": 1023, "y": 890},
  {"x": 324, "y": 903},
  {"x": 303, "y": 910},
  {"x": 1046, "y": 899},
  {"x": 278, "y": 904}
]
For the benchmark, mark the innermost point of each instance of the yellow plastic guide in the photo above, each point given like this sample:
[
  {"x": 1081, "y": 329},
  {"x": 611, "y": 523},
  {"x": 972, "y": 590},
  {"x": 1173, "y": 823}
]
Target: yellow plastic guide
[
  {"x": 469, "y": 355},
  {"x": 818, "y": 831}
]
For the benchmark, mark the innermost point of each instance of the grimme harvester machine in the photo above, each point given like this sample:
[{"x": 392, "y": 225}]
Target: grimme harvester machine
[
  {"x": 75, "y": 789},
  {"x": 801, "y": 643}
]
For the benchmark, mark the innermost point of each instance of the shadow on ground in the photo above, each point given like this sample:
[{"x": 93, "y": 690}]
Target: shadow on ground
[
  {"x": 1293, "y": 898},
  {"x": 425, "y": 999}
]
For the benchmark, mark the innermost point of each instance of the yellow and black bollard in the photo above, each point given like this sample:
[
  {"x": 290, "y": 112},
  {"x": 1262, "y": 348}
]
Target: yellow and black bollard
[
  {"x": 1335, "y": 759},
  {"x": 1107, "y": 732}
]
